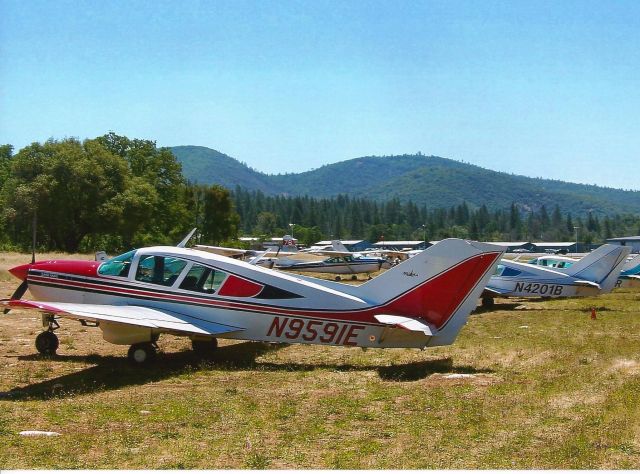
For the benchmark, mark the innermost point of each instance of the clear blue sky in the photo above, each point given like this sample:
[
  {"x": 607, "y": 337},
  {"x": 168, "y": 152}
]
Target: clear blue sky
[{"x": 540, "y": 88}]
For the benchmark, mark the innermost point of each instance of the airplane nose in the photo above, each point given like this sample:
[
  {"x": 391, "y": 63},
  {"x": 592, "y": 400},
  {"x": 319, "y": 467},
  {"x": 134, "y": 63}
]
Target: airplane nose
[{"x": 20, "y": 272}]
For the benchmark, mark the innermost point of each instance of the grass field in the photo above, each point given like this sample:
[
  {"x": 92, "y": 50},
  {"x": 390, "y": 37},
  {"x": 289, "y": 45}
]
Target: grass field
[{"x": 528, "y": 385}]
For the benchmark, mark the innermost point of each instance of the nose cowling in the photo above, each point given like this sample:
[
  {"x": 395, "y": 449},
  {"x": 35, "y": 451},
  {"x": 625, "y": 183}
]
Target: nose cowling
[
  {"x": 20, "y": 272},
  {"x": 73, "y": 267}
]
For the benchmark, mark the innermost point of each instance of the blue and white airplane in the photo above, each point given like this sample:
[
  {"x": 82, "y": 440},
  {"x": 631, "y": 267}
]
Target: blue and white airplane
[
  {"x": 594, "y": 274},
  {"x": 630, "y": 275}
]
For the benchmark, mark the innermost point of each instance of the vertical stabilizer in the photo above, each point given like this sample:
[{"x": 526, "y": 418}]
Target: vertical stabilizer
[
  {"x": 602, "y": 266},
  {"x": 440, "y": 286}
]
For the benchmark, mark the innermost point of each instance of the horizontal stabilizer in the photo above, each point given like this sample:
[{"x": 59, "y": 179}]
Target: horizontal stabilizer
[
  {"x": 587, "y": 283},
  {"x": 132, "y": 315},
  {"x": 410, "y": 324},
  {"x": 490, "y": 291}
]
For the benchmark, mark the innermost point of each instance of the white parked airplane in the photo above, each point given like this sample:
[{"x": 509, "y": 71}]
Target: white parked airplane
[
  {"x": 593, "y": 274},
  {"x": 137, "y": 296},
  {"x": 341, "y": 261}
]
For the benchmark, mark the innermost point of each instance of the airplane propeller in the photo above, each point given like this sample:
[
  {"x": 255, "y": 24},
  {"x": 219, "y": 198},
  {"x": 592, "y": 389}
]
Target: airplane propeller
[{"x": 22, "y": 288}]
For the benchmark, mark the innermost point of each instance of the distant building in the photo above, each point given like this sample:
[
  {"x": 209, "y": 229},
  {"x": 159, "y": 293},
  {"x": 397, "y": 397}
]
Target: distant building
[
  {"x": 557, "y": 247},
  {"x": 633, "y": 242},
  {"x": 401, "y": 244},
  {"x": 512, "y": 246}
]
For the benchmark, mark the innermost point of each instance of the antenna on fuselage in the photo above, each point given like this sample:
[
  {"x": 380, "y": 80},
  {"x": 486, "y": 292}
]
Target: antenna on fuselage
[
  {"x": 184, "y": 241},
  {"x": 34, "y": 224}
]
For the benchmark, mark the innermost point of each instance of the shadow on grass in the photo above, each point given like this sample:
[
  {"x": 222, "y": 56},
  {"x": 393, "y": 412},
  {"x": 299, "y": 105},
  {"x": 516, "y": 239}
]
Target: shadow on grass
[
  {"x": 420, "y": 370},
  {"x": 112, "y": 373}
]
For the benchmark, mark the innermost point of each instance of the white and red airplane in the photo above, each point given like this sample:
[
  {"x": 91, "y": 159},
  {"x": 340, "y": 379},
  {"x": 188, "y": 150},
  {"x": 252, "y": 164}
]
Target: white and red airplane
[{"x": 137, "y": 296}]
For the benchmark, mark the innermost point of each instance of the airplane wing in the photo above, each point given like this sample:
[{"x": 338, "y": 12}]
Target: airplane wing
[
  {"x": 224, "y": 251},
  {"x": 331, "y": 253},
  {"x": 133, "y": 315},
  {"x": 410, "y": 324}
]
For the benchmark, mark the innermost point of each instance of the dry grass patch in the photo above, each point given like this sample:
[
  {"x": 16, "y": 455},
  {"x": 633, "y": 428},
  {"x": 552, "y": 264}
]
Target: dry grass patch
[{"x": 561, "y": 393}]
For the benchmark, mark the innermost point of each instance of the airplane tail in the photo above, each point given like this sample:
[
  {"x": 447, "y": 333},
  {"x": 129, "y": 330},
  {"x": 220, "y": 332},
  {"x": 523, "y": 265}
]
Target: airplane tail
[
  {"x": 440, "y": 286},
  {"x": 288, "y": 244},
  {"x": 602, "y": 266},
  {"x": 338, "y": 246}
]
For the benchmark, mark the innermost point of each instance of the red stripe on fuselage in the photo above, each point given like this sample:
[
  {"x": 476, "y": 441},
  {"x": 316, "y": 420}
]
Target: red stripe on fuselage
[{"x": 434, "y": 300}]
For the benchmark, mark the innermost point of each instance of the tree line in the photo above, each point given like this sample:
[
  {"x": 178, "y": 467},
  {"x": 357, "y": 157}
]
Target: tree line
[
  {"x": 356, "y": 218},
  {"x": 116, "y": 193}
]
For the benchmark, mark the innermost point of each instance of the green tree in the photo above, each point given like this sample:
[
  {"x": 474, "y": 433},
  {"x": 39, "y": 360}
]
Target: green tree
[
  {"x": 220, "y": 221},
  {"x": 73, "y": 188}
]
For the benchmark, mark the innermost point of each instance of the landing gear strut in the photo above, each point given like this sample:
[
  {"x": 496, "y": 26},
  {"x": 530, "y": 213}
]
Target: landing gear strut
[
  {"x": 487, "y": 302},
  {"x": 204, "y": 348},
  {"x": 142, "y": 353},
  {"x": 47, "y": 342}
]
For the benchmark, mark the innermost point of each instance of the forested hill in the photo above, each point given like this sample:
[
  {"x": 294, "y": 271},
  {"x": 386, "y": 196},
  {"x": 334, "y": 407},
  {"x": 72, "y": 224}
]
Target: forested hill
[
  {"x": 431, "y": 180},
  {"x": 203, "y": 165}
]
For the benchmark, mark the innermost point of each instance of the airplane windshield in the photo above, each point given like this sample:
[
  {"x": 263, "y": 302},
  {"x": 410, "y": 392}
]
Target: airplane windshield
[
  {"x": 502, "y": 270},
  {"x": 117, "y": 266}
]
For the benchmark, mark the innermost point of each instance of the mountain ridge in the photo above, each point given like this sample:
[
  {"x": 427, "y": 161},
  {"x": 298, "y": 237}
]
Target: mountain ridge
[{"x": 430, "y": 180}]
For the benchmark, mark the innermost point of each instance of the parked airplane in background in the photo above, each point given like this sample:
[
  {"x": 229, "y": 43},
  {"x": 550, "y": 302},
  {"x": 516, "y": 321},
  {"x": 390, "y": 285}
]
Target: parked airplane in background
[
  {"x": 341, "y": 261},
  {"x": 630, "y": 275},
  {"x": 340, "y": 264},
  {"x": 553, "y": 261},
  {"x": 135, "y": 297},
  {"x": 593, "y": 274}
]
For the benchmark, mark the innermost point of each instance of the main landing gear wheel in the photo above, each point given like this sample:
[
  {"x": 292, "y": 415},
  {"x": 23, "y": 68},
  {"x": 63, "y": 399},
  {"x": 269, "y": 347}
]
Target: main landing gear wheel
[
  {"x": 205, "y": 348},
  {"x": 338, "y": 278},
  {"x": 487, "y": 302},
  {"x": 47, "y": 343},
  {"x": 142, "y": 353}
]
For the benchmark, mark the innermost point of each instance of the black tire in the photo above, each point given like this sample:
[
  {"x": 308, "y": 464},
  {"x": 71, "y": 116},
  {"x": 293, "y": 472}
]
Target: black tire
[
  {"x": 338, "y": 278},
  {"x": 205, "y": 348},
  {"x": 354, "y": 277},
  {"x": 487, "y": 302},
  {"x": 47, "y": 343},
  {"x": 142, "y": 353}
]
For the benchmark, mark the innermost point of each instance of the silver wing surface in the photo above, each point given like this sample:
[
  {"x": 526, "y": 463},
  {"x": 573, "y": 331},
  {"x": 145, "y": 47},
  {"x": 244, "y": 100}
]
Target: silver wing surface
[{"x": 125, "y": 314}]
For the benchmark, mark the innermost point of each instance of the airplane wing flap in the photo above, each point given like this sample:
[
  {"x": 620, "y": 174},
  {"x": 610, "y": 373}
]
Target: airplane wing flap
[
  {"x": 410, "y": 324},
  {"x": 133, "y": 315}
]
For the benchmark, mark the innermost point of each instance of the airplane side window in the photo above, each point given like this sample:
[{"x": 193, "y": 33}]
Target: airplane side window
[
  {"x": 203, "y": 279},
  {"x": 117, "y": 266},
  {"x": 159, "y": 270},
  {"x": 146, "y": 268}
]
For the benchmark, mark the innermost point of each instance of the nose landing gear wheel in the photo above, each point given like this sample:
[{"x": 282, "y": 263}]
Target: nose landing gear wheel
[
  {"x": 142, "y": 353},
  {"x": 47, "y": 343}
]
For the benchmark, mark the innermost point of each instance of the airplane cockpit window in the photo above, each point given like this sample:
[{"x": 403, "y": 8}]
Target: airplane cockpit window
[
  {"x": 203, "y": 279},
  {"x": 502, "y": 270},
  {"x": 117, "y": 266},
  {"x": 159, "y": 270}
]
